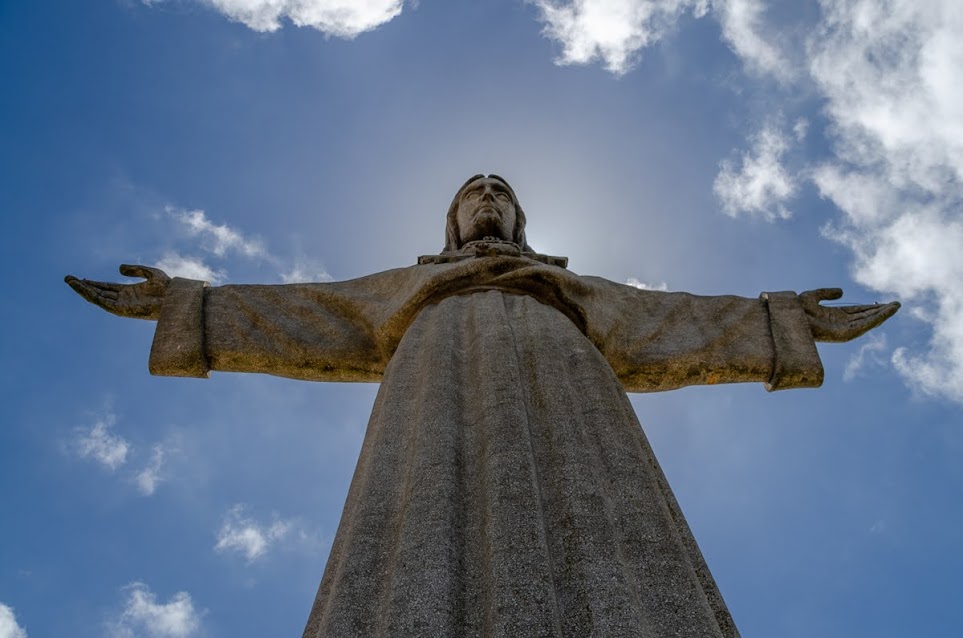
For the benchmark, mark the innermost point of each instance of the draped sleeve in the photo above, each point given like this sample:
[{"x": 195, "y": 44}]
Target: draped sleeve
[
  {"x": 338, "y": 331},
  {"x": 658, "y": 340}
]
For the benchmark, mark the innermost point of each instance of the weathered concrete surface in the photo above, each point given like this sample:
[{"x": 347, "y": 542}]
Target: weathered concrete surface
[{"x": 505, "y": 489}]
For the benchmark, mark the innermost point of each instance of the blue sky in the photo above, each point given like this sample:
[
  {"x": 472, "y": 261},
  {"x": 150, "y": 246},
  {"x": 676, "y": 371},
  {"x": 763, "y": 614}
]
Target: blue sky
[{"x": 721, "y": 146}]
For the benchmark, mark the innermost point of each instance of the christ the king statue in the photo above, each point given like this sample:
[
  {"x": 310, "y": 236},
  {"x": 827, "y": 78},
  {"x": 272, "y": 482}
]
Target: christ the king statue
[{"x": 504, "y": 487}]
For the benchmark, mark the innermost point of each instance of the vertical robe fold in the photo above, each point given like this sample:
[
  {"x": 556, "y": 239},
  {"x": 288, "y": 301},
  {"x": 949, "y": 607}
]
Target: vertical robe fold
[{"x": 505, "y": 487}]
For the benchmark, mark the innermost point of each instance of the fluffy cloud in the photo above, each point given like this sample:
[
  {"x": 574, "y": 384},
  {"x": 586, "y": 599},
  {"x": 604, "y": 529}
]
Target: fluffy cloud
[
  {"x": 248, "y": 537},
  {"x": 177, "y": 265},
  {"x": 890, "y": 76},
  {"x": 612, "y": 31},
  {"x": 758, "y": 184},
  {"x": 97, "y": 443},
  {"x": 615, "y": 31},
  {"x": 341, "y": 18},
  {"x": 8, "y": 624},
  {"x": 144, "y": 616}
]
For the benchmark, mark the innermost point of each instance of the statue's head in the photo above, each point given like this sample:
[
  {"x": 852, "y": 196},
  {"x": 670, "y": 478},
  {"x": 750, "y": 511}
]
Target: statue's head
[{"x": 485, "y": 207}]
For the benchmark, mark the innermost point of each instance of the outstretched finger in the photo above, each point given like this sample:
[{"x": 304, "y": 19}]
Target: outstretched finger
[
  {"x": 105, "y": 288},
  {"x": 871, "y": 317},
  {"x": 91, "y": 293},
  {"x": 887, "y": 310},
  {"x": 870, "y": 309}
]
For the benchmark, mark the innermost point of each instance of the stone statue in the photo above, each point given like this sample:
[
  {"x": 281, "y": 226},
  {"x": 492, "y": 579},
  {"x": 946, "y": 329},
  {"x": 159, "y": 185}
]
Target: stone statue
[{"x": 505, "y": 487}]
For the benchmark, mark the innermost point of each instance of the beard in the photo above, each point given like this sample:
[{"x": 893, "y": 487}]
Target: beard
[{"x": 486, "y": 223}]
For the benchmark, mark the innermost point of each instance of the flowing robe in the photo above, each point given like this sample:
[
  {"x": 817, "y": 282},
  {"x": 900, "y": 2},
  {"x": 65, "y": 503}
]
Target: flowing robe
[{"x": 504, "y": 487}]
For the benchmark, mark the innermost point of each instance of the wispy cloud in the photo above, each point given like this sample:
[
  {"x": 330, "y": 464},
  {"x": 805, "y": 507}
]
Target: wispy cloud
[
  {"x": 112, "y": 451},
  {"x": 743, "y": 29},
  {"x": 177, "y": 265},
  {"x": 304, "y": 271},
  {"x": 99, "y": 444},
  {"x": 222, "y": 242},
  {"x": 149, "y": 477},
  {"x": 758, "y": 185},
  {"x": 248, "y": 537},
  {"x": 610, "y": 31},
  {"x": 144, "y": 616},
  {"x": 340, "y": 18},
  {"x": 869, "y": 353},
  {"x": 641, "y": 285},
  {"x": 218, "y": 239},
  {"x": 8, "y": 624}
]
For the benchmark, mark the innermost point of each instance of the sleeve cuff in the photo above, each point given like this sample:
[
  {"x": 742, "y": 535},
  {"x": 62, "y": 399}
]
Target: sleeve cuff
[
  {"x": 178, "y": 347},
  {"x": 796, "y": 361}
]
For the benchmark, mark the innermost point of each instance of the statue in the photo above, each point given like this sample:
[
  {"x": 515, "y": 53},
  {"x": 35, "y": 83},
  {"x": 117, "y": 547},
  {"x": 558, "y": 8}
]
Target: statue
[{"x": 505, "y": 487}]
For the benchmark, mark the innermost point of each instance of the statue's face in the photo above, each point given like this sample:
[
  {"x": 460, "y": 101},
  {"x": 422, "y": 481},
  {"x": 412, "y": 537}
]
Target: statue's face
[{"x": 485, "y": 209}]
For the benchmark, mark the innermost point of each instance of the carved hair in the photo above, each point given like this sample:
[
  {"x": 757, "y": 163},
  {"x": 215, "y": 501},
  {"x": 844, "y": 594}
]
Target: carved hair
[{"x": 453, "y": 237}]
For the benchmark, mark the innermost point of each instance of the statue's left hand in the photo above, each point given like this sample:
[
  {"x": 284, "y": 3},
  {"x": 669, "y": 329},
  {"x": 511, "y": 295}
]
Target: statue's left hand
[
  {"x": 141, "y": 300},
  {"x": 842, "y": 323}
]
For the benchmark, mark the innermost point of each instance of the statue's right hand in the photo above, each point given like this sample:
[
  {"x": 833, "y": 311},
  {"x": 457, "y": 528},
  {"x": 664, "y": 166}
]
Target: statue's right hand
[{"x": 140, "y": 301}]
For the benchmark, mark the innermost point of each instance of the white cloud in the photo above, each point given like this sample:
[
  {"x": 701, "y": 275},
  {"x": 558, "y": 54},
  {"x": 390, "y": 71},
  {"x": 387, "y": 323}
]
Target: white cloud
[
  {"x": 612, "y": 31},
  {"x": 641, "y": 285},
  {"x": 889, "y": 73},
  {"x": 112, "y": 451},
  {"x": 758, "y": 185},
  {"x": 889, "y": 77},
  {"x": 615, "y": 31},
  {"x": 149, "y": 477},
  {"x": 341, "y": 18},
  {"x": 177, "y": 265},
  {"x": 8, "y": 624},
  {"x": 303, "y": 272},
  {"x": 868, "y": 354},
  {"x": 217, "y": 238},
  {"x": 222, "y": 241},
  {"x": 248, "y": 537},
  {"x": 744, "y": 31},
  {"x": 144, "y": 616},
  {"x": 97, "y": 443}
]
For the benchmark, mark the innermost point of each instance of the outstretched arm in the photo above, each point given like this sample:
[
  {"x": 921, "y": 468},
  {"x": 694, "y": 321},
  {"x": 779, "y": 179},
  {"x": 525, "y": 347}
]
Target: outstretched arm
[
  {"x": 326, "y": 331},
  {"x": 140, "y": 301},
  {"x": 659, "y": 341}
]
